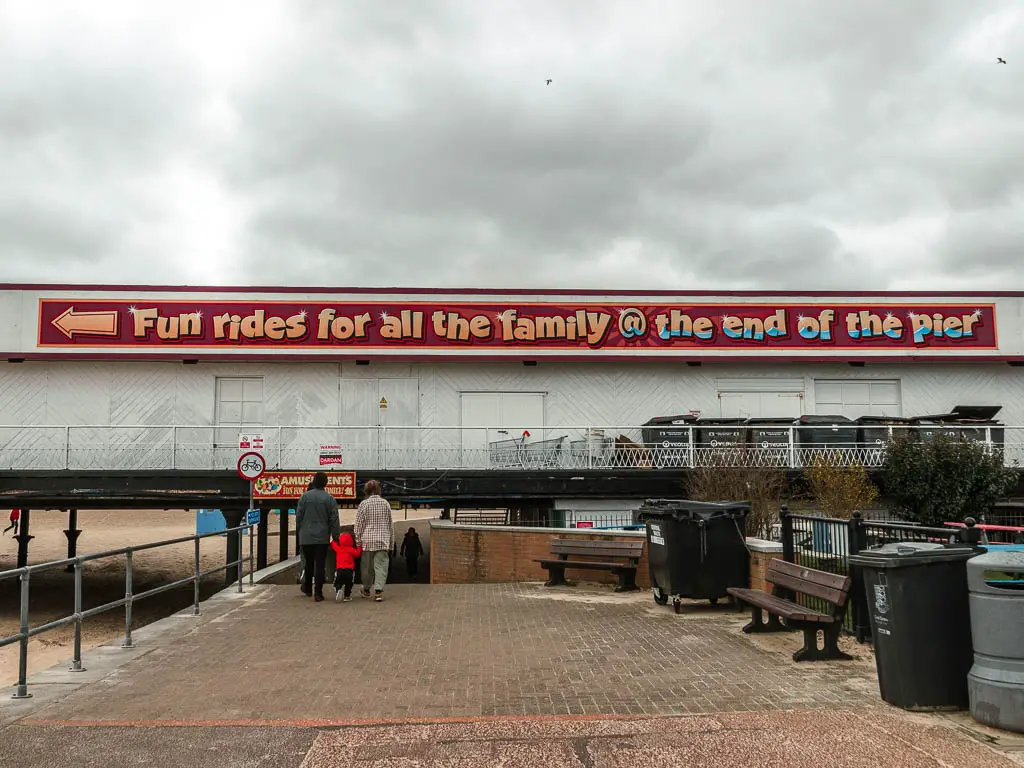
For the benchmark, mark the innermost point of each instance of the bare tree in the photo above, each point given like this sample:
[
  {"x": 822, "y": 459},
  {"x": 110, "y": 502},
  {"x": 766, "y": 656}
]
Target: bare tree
[{"x": 763, "y": 487}]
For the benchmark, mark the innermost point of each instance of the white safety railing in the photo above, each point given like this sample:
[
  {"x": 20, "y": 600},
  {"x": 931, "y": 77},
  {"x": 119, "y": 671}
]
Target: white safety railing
[
  {"x": 24, "y": 574},
  {"x": 189, "y": 447}
]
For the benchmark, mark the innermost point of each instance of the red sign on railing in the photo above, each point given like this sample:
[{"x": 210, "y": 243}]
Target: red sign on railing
[{"x": 480, "y": 327}]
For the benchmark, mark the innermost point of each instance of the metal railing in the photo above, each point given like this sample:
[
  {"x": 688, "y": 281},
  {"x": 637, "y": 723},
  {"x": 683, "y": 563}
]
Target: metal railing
[
  {"x": 80, "y": 614},
  {"x": 826, "y": 543},
  {"x": 189, "y": 447}
]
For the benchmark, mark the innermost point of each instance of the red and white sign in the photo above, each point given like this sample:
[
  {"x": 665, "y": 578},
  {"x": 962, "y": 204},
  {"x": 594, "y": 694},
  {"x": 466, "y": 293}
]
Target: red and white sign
[
  {"x": 250, "y": 442},
  {"x": 251, "y": 466},
  {"x": 330, "y": 455},
  {"x": 584, "y": 523},
  {"x": 292, "y": 324}
]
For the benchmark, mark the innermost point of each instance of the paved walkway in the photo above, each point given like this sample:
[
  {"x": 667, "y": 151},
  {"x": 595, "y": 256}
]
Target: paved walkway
[{"x": 467, "y": 675}]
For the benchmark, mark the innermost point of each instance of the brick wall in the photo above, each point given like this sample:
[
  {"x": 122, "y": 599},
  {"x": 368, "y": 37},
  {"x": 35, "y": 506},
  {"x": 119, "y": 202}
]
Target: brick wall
[
  {"x": 761, "y": 554},
  {"x": 478, "y": 554},
  {"x": 467, "y": 554}
]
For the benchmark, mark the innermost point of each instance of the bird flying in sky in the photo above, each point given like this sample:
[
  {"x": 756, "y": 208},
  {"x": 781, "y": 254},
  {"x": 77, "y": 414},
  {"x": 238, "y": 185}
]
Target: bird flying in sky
[
  {"x": 549, "y": 79},
  {"x": 1000, "y": 60}
]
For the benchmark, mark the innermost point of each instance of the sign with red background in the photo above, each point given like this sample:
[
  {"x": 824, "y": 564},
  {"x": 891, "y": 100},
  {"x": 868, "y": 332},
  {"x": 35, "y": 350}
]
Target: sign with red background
[
  {"x": 479, "y": 327},
  {"x": 291, "y": 485}
]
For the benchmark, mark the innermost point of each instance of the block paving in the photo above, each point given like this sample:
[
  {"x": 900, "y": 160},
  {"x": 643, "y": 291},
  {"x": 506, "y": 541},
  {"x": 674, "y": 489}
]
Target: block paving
[
  {"x": 496, "y": 675},
  {"x": 466, "y": 650}
]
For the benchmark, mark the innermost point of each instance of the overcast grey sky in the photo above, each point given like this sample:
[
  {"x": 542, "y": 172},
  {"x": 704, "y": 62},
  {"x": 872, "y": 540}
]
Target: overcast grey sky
[{"x": 683, "y": 144}]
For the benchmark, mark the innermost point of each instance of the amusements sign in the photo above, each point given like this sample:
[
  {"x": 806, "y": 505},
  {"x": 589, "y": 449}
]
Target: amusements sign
[
  {"x": 483, "y": 327},
  {"x": 291, "y": 485}
]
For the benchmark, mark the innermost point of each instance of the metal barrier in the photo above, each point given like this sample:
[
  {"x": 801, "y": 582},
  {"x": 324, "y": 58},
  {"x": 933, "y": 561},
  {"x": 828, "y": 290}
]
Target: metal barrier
[
  {"x": 581, "y": 447},
  {"x": 25, "y": 575},
  {"x": 826, "y": 543}
]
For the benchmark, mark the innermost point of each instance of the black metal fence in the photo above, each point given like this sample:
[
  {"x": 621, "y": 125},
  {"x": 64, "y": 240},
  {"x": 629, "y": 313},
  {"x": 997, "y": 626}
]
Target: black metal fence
[{"x": 826, "y": 543}]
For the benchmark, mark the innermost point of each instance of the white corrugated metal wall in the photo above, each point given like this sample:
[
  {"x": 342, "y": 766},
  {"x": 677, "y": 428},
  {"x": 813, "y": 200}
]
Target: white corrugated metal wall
[{"x": 576, "y": 394}]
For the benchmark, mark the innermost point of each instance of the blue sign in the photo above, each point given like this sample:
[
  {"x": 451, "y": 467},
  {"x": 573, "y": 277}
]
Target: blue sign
[
  {"x": 209, "y": 521},
  {"x": 252, "y": 517}
]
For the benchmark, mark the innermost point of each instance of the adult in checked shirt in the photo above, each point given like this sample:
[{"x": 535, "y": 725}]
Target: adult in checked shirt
[{"x": 374, "y": 532}]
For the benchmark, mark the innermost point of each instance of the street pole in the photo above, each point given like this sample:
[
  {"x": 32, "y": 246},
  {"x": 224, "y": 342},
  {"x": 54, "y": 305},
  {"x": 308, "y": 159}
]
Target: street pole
[{"x": 252, "y": 492}]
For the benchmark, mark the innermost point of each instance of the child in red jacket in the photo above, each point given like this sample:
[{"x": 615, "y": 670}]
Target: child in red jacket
[{"x": 345, "y": 553}]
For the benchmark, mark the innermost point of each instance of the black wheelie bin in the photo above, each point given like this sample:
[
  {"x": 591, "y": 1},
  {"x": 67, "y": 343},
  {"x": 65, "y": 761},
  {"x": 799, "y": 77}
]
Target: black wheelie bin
[
  {"x": 695, "y": 549},
  {"x": 918, "y": 606}
]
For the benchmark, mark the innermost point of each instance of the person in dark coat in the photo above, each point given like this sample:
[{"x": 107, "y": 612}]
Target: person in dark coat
[
  {"x": 412, "y": 548},
  {"x": 317, "y": 519}
]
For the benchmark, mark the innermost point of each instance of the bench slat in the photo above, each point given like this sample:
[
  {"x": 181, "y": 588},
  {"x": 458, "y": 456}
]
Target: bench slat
[
  {"x": 570, "y": 564},
  {"x": 780, "y": 607},
  {"x": 596, "y": 544},
  {"x": 830, "y": 587},
  {"x": 610, "y": 549}
]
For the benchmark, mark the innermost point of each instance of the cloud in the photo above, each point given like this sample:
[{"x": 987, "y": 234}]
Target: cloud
[{"x": 735, "y": 144}]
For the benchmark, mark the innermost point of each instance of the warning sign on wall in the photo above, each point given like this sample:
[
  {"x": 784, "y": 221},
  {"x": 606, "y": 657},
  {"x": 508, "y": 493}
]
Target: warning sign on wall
[{"x": 330, "y": 455}]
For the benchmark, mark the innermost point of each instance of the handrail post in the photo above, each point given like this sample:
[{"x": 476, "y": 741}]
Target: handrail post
[
  {"x": 792, "y": 449},
  {"x": 280, "y": 447},
  {"x": 174, "y": 447},
  {"x": 67, "y": 447},
  {"x": 240, "y": 543},
  {"x": 21, "y": 692},
  {"x": 128, "y": 601},
  {"x": 251, "y": 562},
  {"x": 857, "y": 542},
  {"x": 195, "y": 585},
  {"x": 76, "y": 660},
  {"x": 692, "y": 447},
  {"x": 788, "y": 551}
]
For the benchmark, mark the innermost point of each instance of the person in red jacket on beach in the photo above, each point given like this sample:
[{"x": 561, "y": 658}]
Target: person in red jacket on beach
[
  {"x": 345, "y": 553},
  {"x": 15, "y": 519}
]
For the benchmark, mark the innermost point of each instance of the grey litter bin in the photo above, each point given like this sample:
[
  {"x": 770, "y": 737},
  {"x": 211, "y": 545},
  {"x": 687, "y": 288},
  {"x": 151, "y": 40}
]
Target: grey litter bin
[{"x": 996, "y": 681}]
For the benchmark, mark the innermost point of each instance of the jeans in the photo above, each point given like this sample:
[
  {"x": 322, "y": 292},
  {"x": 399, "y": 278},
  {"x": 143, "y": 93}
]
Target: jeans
[
  {"x": 375, "y": 570},
  {"x": 343, "y": 578},
  {"x": 314, "y": 557}
]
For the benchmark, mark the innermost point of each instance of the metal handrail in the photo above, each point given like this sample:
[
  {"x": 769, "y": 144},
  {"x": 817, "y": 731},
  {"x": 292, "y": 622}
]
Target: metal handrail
[
  {"x": 25, "y": 575},
  {"x": 196, "y": 447}
]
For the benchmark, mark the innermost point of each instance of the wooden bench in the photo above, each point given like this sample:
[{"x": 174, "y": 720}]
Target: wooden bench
[
  {"x": 831, "y": 588},
  {"x": 618, "y": 557}
]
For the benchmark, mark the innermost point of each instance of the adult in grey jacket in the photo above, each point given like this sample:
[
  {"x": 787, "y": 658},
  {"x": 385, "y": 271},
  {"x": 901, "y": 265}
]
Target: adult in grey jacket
[{"x": 316, "y": 517}]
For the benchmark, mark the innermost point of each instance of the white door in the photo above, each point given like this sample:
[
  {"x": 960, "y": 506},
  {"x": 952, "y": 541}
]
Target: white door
[
  {"x": 359, "y": 423},
  {"x": 761, "y": 405},
  {"x": 366, "y": 405},
  {"x": 858, "y": 397},
  {"x": 239, "y": 408},
  {"x": 522, "y": 411},
  {"x": 398, "y": 409},
  {"x": 398, "y": 403},
  {"x": 481, "y": 411},
  {"x": 491, "y": 418}
]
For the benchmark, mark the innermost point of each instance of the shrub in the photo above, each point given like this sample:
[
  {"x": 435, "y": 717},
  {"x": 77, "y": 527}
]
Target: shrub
[
  {"x": 840, "y": 490},
  {"x": 945, "y": 479},
  {"x": 762, "y": 487}
]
